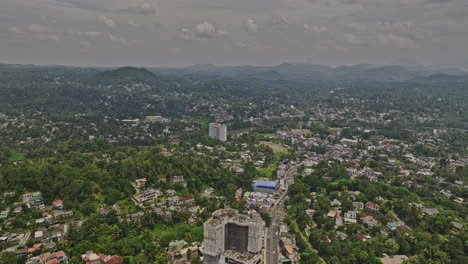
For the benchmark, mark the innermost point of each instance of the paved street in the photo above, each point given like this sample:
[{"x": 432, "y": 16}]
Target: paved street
[{"x": 272, "y": 236}]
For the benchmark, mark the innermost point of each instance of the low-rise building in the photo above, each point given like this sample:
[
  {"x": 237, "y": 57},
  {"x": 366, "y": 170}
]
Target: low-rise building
[{"x": 265, "y": 186}]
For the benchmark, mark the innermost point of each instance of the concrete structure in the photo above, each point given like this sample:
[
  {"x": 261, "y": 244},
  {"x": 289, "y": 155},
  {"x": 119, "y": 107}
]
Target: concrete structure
[
  {"x": 218, "y": 131},
  {"x": 230, "y": 237},
  {"x": 265, "y": 186},
  {"x": 156, "y": 119}
]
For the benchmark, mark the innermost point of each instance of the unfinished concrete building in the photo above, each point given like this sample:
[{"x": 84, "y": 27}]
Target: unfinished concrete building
[{"x": 230, "y": 237}]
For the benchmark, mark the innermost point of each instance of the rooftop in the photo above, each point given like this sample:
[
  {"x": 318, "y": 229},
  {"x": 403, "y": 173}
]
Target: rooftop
[
  {"x": 232, "y": 215},
  {"x": 266, "y": 184}
]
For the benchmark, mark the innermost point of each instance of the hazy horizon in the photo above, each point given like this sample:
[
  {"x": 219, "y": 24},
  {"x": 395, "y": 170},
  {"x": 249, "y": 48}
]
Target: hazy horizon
[{"x": 179, "y": 33}]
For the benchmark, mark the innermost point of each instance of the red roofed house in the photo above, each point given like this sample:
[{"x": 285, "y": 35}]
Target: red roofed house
[
  {"x": 165, "y": 153},
  {"x": 58, "y": 203},
  {"x": 367, "y": 218},
  {"x": 34, "y": 247},
  {"x": 402, "y": 228},
  {"x": 102, "y": 257},
  {"x": 91, "y": 258},
  {"x": 186, "y": 199},
  {"x": 362, "y": 237},
  {"x": 53, "y": 261},
  {"x": 54, "y": 258},
  {"x": 113, "y": 260},
  {"x": 372, "y": 206}
]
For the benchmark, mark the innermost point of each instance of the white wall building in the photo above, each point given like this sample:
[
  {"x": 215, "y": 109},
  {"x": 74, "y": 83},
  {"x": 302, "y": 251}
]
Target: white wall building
[{"x": 218, "y": 131}]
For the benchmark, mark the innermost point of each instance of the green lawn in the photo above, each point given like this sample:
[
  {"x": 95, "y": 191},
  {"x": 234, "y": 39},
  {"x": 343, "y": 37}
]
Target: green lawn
[
  {"x": 241, "y": 130},
  {"x": 267, "y": 172},
  {"x": 189, "y": 233},
  {"x": 16, "y": 156},
  {"x": 268, "y": 135},
  {"x": 277, "y": 148},
  {"x": 304, "y": 131}
]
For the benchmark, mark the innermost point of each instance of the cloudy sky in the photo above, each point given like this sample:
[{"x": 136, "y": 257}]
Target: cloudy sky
[{"x": 234, "y": 32}]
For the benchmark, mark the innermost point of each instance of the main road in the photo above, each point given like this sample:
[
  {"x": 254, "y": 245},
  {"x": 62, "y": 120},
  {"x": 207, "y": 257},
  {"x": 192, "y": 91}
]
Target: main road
[{"x": 272, "y": 250}]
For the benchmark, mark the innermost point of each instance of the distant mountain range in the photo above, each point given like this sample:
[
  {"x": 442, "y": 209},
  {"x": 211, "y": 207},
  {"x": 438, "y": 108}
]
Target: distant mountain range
[
  {"x": 124, "y": 75},
  {"x": 310, "y": 72},
  {"x": 286, "y": 72}
]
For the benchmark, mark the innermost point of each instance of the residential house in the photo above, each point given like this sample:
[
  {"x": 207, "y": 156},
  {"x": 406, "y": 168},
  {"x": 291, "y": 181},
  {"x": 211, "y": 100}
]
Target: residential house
[
  {"x": 369, "y": 221},
  {"x": 372, "y": 206},
  {"x": 358, "y": 206},
  {"x": 397, "y": 259},
  {"x": 54, "y": 258},
  {"x": 402, "y": 228},
  {"x": 140, "y": 182},
  {"x": 350, "y": 217},
  {"x": 457, "y": 227},
  {"x": 177, "y": 178},
  {"x": 186, "y": 199},
  {"x": 62, "y": 214},
  {"x": 335, "y": 203},
  {"x": 4, "y": 213},
  {"x": 208, "y": 191},
  {"x": 180, "y": 252},
  {"x": 391, "y": 226},
  {"x": 310, "y": 212},
  {"x": 341, "y": 235},
  {"x": 58, "y": 203},
  {"x": 363, "y": 237},
  {"x": 39, "y": 234},
  {"x": 430, "y": 211},
  {"x": 173, "y": 200},
  {"x": 91, "y": 258},
  {"x": 171, "y": 192},
  {"x": 338, "y": 219},
  {"x": 113, "y": 260},
  {"x": 18, "y": 210},
  {"x": 136, "y": 216}
]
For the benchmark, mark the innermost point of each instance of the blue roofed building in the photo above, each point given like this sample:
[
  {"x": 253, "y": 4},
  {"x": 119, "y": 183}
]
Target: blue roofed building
[{"x": 265, "y": 186}]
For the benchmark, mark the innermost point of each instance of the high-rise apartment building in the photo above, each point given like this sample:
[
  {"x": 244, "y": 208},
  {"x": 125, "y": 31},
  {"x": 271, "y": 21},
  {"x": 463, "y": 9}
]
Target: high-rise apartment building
[
  {"x": 231, "y": 237},
  {"x": 218, "y": 131}
]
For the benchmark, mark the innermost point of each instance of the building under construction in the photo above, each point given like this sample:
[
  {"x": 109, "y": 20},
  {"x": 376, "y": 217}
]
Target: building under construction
[{"x": 231, "y": 237}]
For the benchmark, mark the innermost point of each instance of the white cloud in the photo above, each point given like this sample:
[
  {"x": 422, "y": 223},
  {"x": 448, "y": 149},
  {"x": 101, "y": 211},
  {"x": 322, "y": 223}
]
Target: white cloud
[
  {"x": 107, "y": 21},
  {"x": 396, "y": 41},
  {"x": 251, "y": 26},
  {"x": 85, "y": 45},
  {"x": 117, "y": 39},
  {"x": 185, "y": 33},
  {"x": 352, "y": 39},
  {"x": 315, "y": 29},
  {"x": 143, "y": 9},
  {"x": 358, "y": 26},
  {"x": 15, "y": 30},
  {"x": 92, "y": 34},
  {"x": 37, "y": 28},
  {"x": 203, "y": 30},
  {"x": 241, "y": 44},
  {"x": 401, "y": 27},
  {"x": 52, "y": 37},
  {"x": 133, "y": 24}
]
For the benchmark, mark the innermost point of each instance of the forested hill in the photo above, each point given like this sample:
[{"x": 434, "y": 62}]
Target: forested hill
[
  {"x": 121, "y": 92},
  {"x": 123, "y": 76}
]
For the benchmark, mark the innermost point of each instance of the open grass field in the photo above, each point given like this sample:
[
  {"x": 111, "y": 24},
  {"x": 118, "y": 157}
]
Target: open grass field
[
  {"x": 16, "y": 156},
  {"x": 187, "y": 232},
  {"x": 278, "y": 151}
]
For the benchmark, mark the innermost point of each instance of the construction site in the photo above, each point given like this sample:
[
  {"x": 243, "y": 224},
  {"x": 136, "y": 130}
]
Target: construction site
[{"x": 232, "y": 237}]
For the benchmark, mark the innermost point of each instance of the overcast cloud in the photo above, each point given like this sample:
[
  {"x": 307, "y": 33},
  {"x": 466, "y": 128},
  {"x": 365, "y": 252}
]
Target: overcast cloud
[{"x": 233, "y": 32}]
